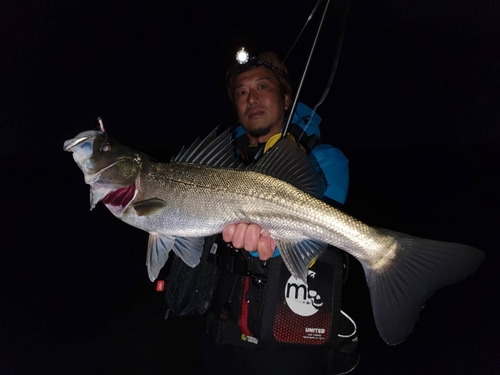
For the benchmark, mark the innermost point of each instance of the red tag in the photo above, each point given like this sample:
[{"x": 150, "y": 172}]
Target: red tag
[{"x": 160, "y": 284}]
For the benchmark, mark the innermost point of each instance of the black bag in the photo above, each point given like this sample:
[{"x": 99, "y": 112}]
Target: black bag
[
  {"x": 189, "y": 291},
  {"x": 263, "y": 306}
]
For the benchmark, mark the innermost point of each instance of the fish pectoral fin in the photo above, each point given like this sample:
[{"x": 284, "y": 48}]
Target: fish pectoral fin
[
  {"x": 398, "y": 291},
  {"x": 189, "y": 249},
  {"x": 159, "y": 246},
  {"x": 299, "y": 256},
  {"x": 149, "y": 206}
]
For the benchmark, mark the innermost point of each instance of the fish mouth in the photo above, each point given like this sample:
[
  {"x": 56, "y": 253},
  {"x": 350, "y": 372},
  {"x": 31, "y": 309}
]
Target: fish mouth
[
  {"x": 69, "y": 144},
  {"x": 90, "y": 178},
  {"x": 80, "y": 138},
  {"x": 99, "y": 190}
]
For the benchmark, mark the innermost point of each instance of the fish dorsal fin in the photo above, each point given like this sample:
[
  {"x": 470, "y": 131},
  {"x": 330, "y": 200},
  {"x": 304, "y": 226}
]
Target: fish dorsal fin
[
  {"x": 214, "y": 150},
  {"x": 288, "y": 162},
  {"x": 285, "y": 160}
]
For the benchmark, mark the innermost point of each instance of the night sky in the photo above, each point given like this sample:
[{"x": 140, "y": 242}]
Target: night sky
[{"x": 414, "y": 106}]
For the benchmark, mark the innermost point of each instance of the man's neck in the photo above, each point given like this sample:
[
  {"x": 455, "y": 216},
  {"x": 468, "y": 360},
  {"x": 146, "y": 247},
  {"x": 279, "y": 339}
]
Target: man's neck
[
  {"x": 256, "y": 140},
  {"x": 263, "y": 138}
]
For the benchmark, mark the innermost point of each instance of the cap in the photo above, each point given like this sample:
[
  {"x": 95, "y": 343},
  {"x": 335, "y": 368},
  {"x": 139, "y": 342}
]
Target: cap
[{"x": 268, "y": 59}]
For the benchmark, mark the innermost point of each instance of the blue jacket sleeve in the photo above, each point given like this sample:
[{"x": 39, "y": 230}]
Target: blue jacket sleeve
[{"x": 334, "y": 167}]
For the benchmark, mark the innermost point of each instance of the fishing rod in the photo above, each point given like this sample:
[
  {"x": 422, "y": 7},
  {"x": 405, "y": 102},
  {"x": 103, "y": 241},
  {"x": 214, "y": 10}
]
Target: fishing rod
[
  {"x": 295, "y": 100},
  {"x": 332, "y": 73}
]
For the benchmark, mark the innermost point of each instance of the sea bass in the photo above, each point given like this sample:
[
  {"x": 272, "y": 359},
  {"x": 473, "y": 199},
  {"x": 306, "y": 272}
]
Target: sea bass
[{"x": 204, "y": 188}]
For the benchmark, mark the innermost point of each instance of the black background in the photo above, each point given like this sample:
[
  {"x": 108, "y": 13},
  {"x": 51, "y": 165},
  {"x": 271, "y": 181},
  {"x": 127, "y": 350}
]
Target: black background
[{"x": 414, "y": 106}]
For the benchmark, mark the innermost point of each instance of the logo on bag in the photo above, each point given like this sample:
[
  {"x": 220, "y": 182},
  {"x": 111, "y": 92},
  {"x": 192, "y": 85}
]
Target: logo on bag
[{"x": 301, "y": 298}]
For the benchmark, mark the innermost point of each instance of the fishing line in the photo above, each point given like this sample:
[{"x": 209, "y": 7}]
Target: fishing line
[
  {"x": 334, "y": 66},
  {"x": 295, "y": 101},
  {"x": 301, "y": 31}
]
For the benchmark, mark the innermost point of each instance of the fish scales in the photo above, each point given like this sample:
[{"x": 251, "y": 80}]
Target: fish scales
[{"x": 289, "y": 212}]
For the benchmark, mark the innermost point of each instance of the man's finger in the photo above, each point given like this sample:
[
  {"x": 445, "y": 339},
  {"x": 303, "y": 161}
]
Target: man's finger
[
  {"x": 266, "y": 246},
  {"x": 228, "y": 233},
  {"x": 252, "y": 236}
]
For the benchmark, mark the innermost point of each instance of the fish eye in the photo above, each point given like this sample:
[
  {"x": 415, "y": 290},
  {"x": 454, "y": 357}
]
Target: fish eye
[{"x": 106, "y": 147}]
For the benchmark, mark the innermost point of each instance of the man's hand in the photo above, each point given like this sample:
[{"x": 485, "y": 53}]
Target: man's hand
[{"x": 250, "y": 237}]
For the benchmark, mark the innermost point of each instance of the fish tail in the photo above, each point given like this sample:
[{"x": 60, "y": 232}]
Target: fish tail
[{"x": 398, "y": 291}]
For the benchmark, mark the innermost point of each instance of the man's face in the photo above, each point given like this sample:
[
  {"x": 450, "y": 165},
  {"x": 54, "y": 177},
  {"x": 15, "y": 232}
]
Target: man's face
[{"x": 259, "y": 103}]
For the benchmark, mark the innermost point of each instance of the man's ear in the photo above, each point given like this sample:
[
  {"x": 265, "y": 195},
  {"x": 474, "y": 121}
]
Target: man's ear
[{"x": 287, "y": 102}]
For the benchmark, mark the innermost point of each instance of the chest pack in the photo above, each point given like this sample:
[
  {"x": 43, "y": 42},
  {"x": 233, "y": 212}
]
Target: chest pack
[{"x": 261, "y": 305}]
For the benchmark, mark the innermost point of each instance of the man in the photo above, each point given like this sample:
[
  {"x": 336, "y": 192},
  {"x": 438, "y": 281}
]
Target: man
[
  {"x": 261, "y": 95},
  {"x": 247, "y": 301}
]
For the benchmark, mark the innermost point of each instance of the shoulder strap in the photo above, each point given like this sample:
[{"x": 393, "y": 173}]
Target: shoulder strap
[{"x": 308, "y": 141}]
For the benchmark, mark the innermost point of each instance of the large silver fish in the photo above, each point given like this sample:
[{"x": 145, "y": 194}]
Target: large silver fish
[{"x": 204, "y": 188}]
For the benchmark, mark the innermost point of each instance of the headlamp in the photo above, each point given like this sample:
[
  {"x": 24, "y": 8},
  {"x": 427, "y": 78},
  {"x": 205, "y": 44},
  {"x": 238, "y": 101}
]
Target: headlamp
[
  {"x": 242, "y": 56},
  {"x": 245, "y": 62}
]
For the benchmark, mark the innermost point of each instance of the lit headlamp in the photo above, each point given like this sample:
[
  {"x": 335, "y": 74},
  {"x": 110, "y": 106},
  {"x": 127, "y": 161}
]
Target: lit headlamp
[
  {"x": 242, "y": 56},
  {"x": 244, "y": 62}
]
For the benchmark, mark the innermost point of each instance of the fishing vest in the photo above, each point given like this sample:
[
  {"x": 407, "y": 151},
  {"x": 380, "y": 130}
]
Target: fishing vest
[{"x": 253, "y": 304}]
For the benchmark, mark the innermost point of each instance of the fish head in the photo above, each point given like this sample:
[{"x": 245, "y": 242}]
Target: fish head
[{"x": 107, "y": 165}]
